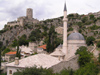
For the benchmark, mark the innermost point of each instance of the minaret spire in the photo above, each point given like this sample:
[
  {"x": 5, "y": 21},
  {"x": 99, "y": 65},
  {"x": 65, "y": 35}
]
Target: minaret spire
[
  {"x": 64, "y": 50},
  {"x": 65, "y": 9}
]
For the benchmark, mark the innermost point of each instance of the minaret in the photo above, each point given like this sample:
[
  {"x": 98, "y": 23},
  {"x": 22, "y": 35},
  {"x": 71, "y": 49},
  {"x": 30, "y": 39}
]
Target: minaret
[{"x": 65, "y": 31}]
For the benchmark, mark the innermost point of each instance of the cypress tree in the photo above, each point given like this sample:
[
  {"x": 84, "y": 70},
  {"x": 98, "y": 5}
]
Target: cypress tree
[
  {"x": 52, "y": 38},
  {"x": 18, "y": 52},
  {"x": 1, "y": 44}
]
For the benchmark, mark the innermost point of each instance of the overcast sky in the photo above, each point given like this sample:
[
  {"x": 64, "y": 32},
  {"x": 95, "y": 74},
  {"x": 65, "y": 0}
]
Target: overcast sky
[{"x": 44, "y": 9}]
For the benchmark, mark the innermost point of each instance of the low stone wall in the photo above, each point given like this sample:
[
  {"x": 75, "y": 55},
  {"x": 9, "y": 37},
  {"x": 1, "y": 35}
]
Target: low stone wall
[{"x": 70, "y": 64}]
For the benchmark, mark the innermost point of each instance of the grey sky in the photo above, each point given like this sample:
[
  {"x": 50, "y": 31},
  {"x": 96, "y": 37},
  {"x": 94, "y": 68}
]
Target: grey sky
[{"x": 44, "y": 9}]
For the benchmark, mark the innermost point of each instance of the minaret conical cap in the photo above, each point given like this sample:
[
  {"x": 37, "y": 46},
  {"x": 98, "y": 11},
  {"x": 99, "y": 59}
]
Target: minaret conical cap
[{"x": 65, "y": 9}]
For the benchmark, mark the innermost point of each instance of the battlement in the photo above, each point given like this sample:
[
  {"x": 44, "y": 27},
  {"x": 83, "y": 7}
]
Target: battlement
[{"x": 21, "y": 21}]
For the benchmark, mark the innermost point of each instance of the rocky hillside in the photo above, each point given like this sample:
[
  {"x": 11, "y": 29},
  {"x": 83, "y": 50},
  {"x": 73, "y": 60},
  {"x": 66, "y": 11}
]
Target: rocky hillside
[{"x": 88, "y": 25}]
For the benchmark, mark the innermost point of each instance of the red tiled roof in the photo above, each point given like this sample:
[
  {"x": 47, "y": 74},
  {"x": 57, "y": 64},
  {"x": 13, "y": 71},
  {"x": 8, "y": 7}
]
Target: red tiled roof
[
  {"x": 43, "y": 46},
  {"x": 11, "y": 52}
]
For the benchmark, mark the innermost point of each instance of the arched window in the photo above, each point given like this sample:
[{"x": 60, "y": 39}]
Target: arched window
[{"x": 10, "y": 71}]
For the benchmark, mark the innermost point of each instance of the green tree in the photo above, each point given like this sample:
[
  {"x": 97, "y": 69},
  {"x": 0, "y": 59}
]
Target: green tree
[
  {"x": 92, "y": 17},
  {"x": 80, "y": 31},
  {"x": 84, "y": 56},
  {"x": 89, "y": 40},
  {"x": 34, "y": 71},
  {"x": 98, "y": 44},
  {"x": 6, "y": 51},
  {"x": 18, "y": 52},
  {"x": 99, "y": 58},
  {"x": 70, "y": 29},
  {"x": 66, "y": 72},
  {"x": 80, "y": 24},
  {"x": 70, "y": 15},
  {"x": 1, "y": 44},
  {"x": 52, "y": 41},
  {"x": 94, "y": 27},
  {"x": 15, "y": 43},
  {"x": 84, "y": 19},
  {"x": 22, "y": 40},
  {"x": 88, "y": 69},
  {"x": 35, "y": 35}
]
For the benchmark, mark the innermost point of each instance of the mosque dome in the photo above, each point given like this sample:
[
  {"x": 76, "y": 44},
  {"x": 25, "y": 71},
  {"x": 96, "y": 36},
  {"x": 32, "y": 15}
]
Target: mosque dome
[{"x": 75, "y": 36}]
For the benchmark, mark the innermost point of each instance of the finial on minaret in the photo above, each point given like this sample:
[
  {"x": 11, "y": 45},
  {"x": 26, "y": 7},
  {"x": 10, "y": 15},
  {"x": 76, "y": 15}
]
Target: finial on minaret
[{"x": 65, "y": 9}]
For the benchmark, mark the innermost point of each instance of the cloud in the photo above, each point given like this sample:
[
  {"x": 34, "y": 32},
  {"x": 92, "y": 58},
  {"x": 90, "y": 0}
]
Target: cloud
[{"x": 43, "y": 9}]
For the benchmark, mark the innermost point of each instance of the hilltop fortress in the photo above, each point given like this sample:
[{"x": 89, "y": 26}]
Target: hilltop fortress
[{"x": 28, "y": 19}]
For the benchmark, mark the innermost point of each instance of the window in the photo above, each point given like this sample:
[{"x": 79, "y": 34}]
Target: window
[{"x": 10, "y": 71}]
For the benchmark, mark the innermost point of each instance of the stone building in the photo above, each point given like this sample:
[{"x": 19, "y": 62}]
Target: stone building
[
  {"x": 10, "y": 56},
  {"x": 28, "y": 19},
  {"x": 62, "y": 58}
]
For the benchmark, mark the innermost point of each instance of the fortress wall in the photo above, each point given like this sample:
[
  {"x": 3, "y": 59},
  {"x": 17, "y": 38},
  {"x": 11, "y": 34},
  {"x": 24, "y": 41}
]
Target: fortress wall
[
  {"x": 28, "y": 19},
  {"x": 13, "y": 24}
]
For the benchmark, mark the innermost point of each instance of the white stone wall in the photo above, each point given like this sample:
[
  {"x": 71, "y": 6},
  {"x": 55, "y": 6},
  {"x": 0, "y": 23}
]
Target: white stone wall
[
  {"x": 11, "y": 68},
  {"x": 73, "y": 45},
  {"x": 33, "y": 46}
]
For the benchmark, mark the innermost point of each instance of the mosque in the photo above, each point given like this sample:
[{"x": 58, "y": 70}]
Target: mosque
[{"x": 61, "y": 58}]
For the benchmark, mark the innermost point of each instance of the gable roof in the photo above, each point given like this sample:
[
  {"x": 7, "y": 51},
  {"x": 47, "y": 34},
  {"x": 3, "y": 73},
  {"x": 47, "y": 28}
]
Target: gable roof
[
  {"x": 44, "y": 60},
  {"x": 43, "y": 46},
  {"x": 11, "y": 53}
]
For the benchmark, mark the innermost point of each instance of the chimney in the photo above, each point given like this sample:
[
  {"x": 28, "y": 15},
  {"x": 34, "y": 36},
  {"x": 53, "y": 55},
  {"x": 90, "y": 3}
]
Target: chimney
[{"x": 16, "y": 61}]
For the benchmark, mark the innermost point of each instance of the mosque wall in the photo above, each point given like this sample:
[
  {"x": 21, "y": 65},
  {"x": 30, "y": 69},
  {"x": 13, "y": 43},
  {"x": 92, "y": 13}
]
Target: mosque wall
[
  {"x": 70, "y": 64},
  {"x": 73, "y": 45}
]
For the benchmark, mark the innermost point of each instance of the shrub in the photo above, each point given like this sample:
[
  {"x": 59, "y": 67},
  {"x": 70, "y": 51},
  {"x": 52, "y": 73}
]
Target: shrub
[
  {"x": 84, "y": 19},
  {"x": 34, "y": 71},
  {"x": 6, "y": 50},
  {"x": 88, "y": 69},
  {"x": 70, "y": 29},
  {"x": 94, "y": 27},
  {"x": 80, "y": 31},
  {"x": 84, "y": 56},
  {"x": 89, "y": 40},
  {"x": 98, "y": 44}
]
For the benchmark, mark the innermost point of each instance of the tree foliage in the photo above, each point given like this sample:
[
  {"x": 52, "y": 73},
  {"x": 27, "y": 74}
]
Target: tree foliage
[
  {"x": 70, "y": 29},
  {"x": 92, "y": 17},
  {"x": 84, "y": 56},
  {"x": 14, "y": 43},
  {"x": 1, "y": 44},
  {"x": 98, "y": 44},
  {"x": 94, "y": 27},
  {"x": 99, "y": 58},
  {"x": 6, "y": 51},
  {"x": 89, "y": 40},
  {"x": 84, "y": 19},
  {"x": 23, "y": 40},
  {"x": 34, "y": 71},
  {"x": 35, "y": 35},
  {"x": 52, "y": 40},
  {"x": 88, "y": 69},
  {"x": 18, "y": 52}
]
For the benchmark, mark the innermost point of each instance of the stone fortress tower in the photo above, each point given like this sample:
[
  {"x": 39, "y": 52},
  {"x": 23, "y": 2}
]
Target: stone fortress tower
[
  {"x": 29, "y": 13},
  {"x": 28, "y": 19}
]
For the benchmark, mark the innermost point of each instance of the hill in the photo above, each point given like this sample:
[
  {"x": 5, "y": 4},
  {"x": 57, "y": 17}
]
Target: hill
[{"x": 88, "y": 25}]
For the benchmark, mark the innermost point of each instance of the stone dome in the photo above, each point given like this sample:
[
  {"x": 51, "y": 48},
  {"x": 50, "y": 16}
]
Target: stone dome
[{"x": 75, "y": 36}]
